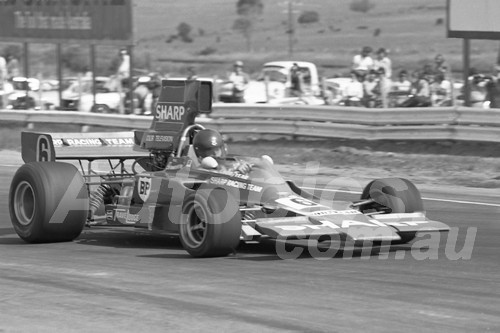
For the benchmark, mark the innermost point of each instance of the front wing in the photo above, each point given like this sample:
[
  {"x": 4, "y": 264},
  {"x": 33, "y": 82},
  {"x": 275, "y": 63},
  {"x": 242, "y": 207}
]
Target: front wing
[{"x": 358, "y": 227}]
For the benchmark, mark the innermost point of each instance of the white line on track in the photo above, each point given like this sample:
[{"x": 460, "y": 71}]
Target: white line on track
[
  {"x": 430, "y": 199},
  {"x": 355, "y": 192},
  {"x": 464, "y": 202}
]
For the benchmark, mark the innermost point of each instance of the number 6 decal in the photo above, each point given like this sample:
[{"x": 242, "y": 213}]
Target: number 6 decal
[{"x": 44, "y": 149}]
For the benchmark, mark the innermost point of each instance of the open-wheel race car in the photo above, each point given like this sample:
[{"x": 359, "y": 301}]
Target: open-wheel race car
[{"x": 154, "y": 180}]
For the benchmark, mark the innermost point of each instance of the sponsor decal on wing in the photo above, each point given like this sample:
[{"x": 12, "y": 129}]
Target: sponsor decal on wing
[
  {"x": 118, "y": 141},
  {"x": 169, "y": 112},
  {"x": 297, "y": 203},
  {"x": 335, "y": 212},
  {"x": 82, "y": 142},
  {"x": 235, "y": 183}
]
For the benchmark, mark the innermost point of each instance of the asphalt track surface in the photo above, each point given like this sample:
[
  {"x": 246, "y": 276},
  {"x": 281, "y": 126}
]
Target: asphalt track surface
[{"x": 112, "y": 280}]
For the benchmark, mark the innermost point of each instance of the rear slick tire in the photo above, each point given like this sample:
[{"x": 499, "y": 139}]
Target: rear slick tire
[{"x": 48, "y": 202}]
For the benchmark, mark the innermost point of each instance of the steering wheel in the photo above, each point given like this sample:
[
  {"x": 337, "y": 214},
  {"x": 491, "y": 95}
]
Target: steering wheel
[{"x": 188, "y": 131}]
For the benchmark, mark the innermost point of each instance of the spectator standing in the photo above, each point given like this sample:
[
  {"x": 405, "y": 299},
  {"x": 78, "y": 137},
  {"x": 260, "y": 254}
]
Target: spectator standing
[
  {"x": 369, "y": 89},
  {"x": 154, "y": 85},
  {"x": 3, "y": 69},
  {"x": 12, "y": 67},
  {"x": 423, "y": 92},
  {"x": 383, "y": 61},
  {"x": 442, "y": 66},
  {"x": 400, "y": 89},
  {"x": 353, "y": 92},
  {"x": 123, "y": 71},
  {"x": 441, "y": 91},
  {"x": 402, "y": 84},
  {"x": 428, "y": 72},
  {"x": 493, "y": 87},
  {"x": 496, "y": 72},
  {"x": 3, "y": 78},
  {"x": 478, "y": 91},
  {"x": 122, "y": 76},
  {"x": 362, "y": 63},
  {"x": 297, "y": 81},
  {"x": 384, "y": 85},
  {"x": 191, "y": 73},
  {"x": 142, "y": 93},
  {"x": 240, "y": 81},
  {"x": 420, "y": 91}
]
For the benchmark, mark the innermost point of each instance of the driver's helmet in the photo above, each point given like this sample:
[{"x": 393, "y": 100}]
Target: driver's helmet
[{"x": 209, "y": 142}]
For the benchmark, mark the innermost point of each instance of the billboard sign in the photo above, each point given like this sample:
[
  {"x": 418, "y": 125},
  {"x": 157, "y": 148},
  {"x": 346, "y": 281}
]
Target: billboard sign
[
  {"x": 474, "y": 19},
  {"x": 53, "y": 21}
]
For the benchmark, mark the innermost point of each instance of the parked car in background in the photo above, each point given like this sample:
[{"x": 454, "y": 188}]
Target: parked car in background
[
  {"x": 49, "y": 85},
  {"x": 274, "y": 85},
  {"x": 334, "y": 89},
  {"x": 21, "y": 93},
  {"x": 79, "y": 96}
]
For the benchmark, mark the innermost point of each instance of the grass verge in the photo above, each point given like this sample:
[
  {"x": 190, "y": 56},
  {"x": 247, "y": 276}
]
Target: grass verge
[{"x": 471, "y": 164}]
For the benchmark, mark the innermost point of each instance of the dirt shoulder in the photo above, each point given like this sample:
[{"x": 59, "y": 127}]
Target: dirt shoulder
[
  {"x": 474, "y": 165},
  {"x": 426, "y": 163}
]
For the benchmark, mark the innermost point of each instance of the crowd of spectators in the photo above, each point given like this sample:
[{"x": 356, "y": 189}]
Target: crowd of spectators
[{"x": 372, "y": 84}]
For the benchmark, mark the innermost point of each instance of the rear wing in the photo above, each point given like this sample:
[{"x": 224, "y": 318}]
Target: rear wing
[
  {"x": 179, "y": 103},
  {"x": 79, "y": 146}
]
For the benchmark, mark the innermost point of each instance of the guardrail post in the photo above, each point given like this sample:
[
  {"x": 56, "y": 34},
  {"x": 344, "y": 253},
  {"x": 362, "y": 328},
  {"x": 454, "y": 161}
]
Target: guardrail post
[
  {"x": 215, "y": 89},
  {"x": 266, "y": 83},
  {"x": 3, "y": 98}
]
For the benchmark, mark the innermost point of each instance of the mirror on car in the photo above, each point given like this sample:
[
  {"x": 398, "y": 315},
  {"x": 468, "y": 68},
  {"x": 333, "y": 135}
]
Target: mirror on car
[
  {"x": 182, "y": 91},
  {"x": 205, "y": 97}
]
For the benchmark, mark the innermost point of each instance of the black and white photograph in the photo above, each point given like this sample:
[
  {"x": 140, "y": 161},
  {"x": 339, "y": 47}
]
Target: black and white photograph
[{"x": 249, "y": 166}]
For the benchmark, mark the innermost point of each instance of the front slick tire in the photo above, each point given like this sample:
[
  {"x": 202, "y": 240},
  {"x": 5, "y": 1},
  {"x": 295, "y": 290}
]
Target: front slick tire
[
  {"x": 399, "y": 195},
  {"x": 210, "y": 223},
  {"x": 48, "y": 202}
]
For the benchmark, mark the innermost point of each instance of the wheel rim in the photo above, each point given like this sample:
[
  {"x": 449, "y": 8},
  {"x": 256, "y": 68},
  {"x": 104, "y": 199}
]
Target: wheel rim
[
  {"x": 24, "y": 203},
  {"x": 196, "y": 227}
]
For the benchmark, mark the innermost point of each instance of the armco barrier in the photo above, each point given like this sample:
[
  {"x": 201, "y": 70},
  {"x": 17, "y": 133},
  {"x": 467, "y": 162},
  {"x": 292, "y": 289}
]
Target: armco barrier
[
  {"x": 346, "y": 115},
  {"x": 76, "y": 118},
  {"x": 451, "y": 123},
  {"x": 483, "y": 117}
]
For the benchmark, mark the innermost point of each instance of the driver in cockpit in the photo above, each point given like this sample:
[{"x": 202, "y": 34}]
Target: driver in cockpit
[{"x": 209, "y": 147}]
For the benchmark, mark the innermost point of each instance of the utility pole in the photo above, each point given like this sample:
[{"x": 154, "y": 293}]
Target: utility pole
[
  {"x": 291, "y": 29},
  {"x": 291, "y": 25}
]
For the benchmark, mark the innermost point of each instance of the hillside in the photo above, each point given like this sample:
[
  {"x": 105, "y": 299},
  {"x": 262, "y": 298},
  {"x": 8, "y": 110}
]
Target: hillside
[{"x": 413, "y": 30}]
